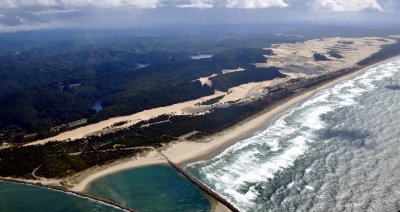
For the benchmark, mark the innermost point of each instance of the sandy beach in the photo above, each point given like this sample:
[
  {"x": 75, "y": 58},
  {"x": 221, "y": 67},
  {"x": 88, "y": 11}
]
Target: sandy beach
[
  {"x": 295, "y": 60},
  {"x": 185, "y": 152},
  {"x": 81, "y": 180}
]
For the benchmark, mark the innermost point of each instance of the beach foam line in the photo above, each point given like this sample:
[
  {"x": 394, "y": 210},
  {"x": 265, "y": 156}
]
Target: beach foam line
[
  {"x": 238, "y": 170},
  {"x": 185, "y": 152}
]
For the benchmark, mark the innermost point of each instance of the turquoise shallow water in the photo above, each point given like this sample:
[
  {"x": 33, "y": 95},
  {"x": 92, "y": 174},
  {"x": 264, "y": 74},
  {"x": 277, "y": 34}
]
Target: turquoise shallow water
[
  {"x": 152, "y": 188},
  {"x": 19, "y": 197}
]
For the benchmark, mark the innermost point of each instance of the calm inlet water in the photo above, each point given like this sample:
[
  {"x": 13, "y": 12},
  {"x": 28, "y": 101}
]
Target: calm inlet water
[
  {"x": 152, "y": 188},
  {"x": 338, "y": 151},
  {"x": 97, "y": 106},
  {"x": 201, "y": 56},
  {"x": 18, "y": 197}
]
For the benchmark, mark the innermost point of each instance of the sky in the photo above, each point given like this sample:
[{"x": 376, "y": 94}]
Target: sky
[{"x": 22, "y": 15}]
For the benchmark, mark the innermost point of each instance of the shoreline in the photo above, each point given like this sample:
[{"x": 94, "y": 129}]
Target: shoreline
[
  {"x": 215, "y": 144},
  {"x": 69, "y": 192},
  {"x": 80, "y": 181},
  {"x": 186, "y": 152}
]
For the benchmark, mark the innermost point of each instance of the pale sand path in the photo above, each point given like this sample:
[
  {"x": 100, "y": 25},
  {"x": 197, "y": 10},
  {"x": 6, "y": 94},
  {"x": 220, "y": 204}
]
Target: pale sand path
[
  {"x": 81, "y": 132},
  {"x": 182, "y": 152},
  {"x": 186, "y": 152},
  {"x": 206, "y": 80},
  {"x": 290, "y": 57},
  {"x": 240, "y": 93},
  {"x": 246, "y": 91},
  {"x": 189, "y": 151}
]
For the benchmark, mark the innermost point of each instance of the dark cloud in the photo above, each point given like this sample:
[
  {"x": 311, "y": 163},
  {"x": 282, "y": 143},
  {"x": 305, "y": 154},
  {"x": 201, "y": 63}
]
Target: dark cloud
[{"x": 18, "y": 15}]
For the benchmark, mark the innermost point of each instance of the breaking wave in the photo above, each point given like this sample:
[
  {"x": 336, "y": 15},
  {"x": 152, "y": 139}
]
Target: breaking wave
[{"x": 321, "y": 155}]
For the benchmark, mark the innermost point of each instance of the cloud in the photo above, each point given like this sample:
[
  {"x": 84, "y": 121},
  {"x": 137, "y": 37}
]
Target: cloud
[
  {"x": 54, "y": 11},
  {"x": 201, "y": 4},
  {"x": 391, "y": 5},
  {"x": 7, "y": 4},
  {"x": 252, "y": 4},
  {"x": 30, "y": 26},
  {"x": 18, "y": 15},
  {"x": 348, "y": 5},
  {"x": 331, "y": 5},
  {"x": 79, "y": 3},
  {"x": 21, "y": 20},
  {"x": 242, "y": 4}
]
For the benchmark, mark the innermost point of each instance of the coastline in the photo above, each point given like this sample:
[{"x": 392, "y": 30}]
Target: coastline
[
  {"x": 185, "y": 152},
  {"x": 80, "y": 181},
  {"x": 64, "y": 190}
]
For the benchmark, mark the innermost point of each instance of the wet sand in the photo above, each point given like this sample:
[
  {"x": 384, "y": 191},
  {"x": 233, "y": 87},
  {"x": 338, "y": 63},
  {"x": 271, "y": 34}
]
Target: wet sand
[{"x": 184, "y": 152}]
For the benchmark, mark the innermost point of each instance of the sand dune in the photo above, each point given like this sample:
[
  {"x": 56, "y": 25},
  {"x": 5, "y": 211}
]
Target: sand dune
[
  {"x": 106, "y": 125},
  {"x": 340, "y": 53},
  {"x": 184, "y": 152}
]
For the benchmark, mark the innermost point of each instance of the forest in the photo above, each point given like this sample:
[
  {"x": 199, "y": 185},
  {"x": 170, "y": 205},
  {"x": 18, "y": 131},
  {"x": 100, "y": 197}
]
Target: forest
[
  {"x": 61, "y": 159},
  {"x": 48, "y": 86},
  {"x": 45, "y": 85}
]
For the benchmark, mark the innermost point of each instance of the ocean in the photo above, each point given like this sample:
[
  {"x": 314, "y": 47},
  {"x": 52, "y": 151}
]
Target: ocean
[
  {"x": 337, "y": 151},
  {"x": 21, "y": 197},
  {"x": 151, "y": 188}
]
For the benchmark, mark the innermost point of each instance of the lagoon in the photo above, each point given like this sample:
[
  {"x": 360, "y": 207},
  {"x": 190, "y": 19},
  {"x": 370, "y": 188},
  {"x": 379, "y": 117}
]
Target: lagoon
[
  {"x": 21, "y": 197},
  {"x": 151, "y": 188}
]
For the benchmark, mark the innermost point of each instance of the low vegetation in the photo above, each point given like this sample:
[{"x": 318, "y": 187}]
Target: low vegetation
[
  {"x": 60, "y": 159},
  {"x": 54, "y": 90},
  {"x": 111, "y": 76}
]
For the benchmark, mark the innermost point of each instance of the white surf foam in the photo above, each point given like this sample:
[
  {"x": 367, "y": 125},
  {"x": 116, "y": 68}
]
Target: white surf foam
[{"x": 236, "y": 172}]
